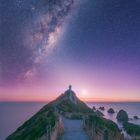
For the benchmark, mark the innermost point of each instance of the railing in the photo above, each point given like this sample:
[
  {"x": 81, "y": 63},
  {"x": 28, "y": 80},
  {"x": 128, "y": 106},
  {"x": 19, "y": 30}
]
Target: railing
[{"x": 52, "y": 132}]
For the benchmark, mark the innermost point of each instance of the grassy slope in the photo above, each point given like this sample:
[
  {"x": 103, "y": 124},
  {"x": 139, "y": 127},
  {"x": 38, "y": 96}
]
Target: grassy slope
[
  {"x": 68, "y": 106},
  {"x": 132, "y": 129},
  {"x": 81, "y": 107},
  {"x": 103, "y": 123},
  {"x": 35, "y": 127}
]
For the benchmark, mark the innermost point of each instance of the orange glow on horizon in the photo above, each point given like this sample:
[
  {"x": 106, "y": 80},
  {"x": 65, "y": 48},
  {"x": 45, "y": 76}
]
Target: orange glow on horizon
[
  {"x": 50, "y": 98},
  {"x": 44, "y": 95}
]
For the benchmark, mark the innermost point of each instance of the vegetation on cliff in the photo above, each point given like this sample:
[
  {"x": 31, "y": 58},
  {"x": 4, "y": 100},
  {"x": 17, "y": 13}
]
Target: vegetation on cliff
[
  {"x": 98, "y": 127},
  {"x": 103, "y": 123},
  {"x": 35, "y": 127},
  {"x": 66, "y": 104},
  {"x": 132, "y": 129}
]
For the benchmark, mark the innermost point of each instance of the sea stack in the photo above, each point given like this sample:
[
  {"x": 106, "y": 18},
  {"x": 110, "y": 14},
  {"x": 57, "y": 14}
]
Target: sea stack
[
  {"x": 136, "y": 117},
  {"x": 111, "y": 111},
  {"x": 122, "y": 116},
  {"x": 93, "y": 108},
  {"x": 102, "y": 108}
]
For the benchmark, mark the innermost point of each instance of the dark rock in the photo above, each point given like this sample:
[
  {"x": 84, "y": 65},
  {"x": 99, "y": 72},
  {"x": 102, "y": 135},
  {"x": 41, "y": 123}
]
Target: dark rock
[
  {"x": 122, "y": 116},
  {"x": 102, "y": 108},
  {"x": 99, "y": 113},
  {"x": 136, "y": 117},
  {"x": 130, "y": 119},
  {"x": 111, "y": 111},
  {"x": 93, "y": 108}
]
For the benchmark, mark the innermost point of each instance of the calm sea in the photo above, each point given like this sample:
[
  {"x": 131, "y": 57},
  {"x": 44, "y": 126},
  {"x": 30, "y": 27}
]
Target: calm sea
[
  {"x": 132, "y": 108},
  {"x": 12, "y": 115}
]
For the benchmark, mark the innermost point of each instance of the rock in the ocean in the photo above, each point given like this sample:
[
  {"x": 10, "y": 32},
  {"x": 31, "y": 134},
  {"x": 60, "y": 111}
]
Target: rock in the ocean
[
  {"x": 99, "y": 113},
  {"x": 130, "y": 119},
  {"x": 111, "y": 111},
  {"x": 102, "y": 108},
  {"x": 136, "y": 117},
  {"x": 93, "y": 108},
  {"x": 122, "y": 116}
]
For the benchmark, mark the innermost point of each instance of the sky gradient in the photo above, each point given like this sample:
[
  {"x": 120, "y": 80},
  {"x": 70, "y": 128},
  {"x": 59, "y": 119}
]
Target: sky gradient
[{"x": 48, "y": 44}]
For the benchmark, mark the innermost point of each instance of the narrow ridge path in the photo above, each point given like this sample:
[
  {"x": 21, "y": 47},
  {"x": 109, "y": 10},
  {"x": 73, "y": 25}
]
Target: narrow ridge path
[{"x": 73, "y": 130}]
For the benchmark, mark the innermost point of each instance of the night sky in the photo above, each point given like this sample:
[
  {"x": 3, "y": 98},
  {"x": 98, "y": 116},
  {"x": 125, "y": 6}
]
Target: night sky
[{"x": 45, "y": 45}]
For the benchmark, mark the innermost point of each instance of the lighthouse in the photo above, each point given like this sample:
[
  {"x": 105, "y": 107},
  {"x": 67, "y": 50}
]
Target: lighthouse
[{"x": 70, "y": 94}]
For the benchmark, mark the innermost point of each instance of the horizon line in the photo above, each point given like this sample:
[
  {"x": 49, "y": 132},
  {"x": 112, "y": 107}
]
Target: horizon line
[
  {"x": 81, "y": 98},
  {"x": 47, "y": 101}
]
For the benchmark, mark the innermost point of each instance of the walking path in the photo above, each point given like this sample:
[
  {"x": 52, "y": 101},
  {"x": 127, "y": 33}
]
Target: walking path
[{"x": 73, "y": 130}]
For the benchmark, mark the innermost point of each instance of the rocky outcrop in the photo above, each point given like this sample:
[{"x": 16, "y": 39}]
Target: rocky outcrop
[
  {"x": 122, "y": 116},
  {"x": 93, "y": 108},
  {"x": 102, "y": 108},
  {"x": 130, "y": 128},
  {"x": 136, "y": 117},
  {"x": 111, "y": 111}
]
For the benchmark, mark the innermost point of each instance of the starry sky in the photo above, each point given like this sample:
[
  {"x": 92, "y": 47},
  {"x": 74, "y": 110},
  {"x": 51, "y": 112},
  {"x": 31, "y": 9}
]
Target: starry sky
[{"x": 45, "y": 45}]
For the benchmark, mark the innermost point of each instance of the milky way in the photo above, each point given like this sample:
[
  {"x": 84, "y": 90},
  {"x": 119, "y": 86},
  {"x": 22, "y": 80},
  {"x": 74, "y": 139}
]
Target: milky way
[
  {"x": 46, "y": 45},
  {"x": 29, "y": 32}
]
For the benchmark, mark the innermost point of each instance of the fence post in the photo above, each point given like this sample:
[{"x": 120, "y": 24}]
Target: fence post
[
  {"x": 48, "y": 132},
  {"x": 84, "y": 124},
  {"x": 93, "y": 130},
  {"x": 105, "y": 135}
]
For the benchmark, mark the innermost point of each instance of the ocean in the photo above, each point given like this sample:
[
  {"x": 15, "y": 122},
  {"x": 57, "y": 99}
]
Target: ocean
[
  {"x": 12, "y": 114},
  {"x": 132, "y": 108}
]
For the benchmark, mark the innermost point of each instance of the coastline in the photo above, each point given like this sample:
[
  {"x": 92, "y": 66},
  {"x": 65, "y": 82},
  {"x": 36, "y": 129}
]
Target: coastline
[{"x": 10, "y": 122}]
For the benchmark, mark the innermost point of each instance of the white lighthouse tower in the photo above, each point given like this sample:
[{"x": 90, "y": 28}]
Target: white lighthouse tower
[{"x": 70, "y": 94}]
